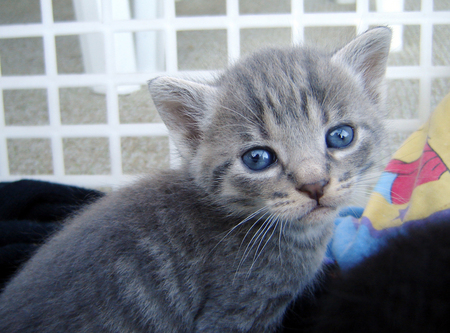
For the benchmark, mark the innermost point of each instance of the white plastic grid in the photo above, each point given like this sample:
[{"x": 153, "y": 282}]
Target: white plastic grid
[{"x": 170, "y": 24}]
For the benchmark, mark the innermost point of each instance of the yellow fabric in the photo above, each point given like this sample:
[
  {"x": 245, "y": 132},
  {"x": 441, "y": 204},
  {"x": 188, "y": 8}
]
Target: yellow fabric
[{"x": 416, "y": 183}]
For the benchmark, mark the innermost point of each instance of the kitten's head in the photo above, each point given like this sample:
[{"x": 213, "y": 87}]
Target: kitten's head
[{"x": 285, "y": 131}]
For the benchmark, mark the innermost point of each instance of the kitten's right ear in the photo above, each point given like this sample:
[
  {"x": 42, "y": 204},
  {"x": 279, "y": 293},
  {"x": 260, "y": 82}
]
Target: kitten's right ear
[
  {"x": 183, "y": 106},
  {"x": 367, "y": 56}
]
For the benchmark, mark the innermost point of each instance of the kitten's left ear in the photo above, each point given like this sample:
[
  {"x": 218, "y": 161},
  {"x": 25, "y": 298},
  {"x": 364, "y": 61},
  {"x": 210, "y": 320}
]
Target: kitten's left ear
[
  {"x": 183, "y": 106},
  {"x": 367, "y": 55}
]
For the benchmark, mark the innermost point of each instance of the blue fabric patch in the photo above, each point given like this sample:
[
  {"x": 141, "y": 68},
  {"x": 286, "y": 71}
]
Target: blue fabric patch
[
  {"x": 384, "y": 185},
  {"x": 352, "y": 241},
  {"x": 355, "y": 238}
]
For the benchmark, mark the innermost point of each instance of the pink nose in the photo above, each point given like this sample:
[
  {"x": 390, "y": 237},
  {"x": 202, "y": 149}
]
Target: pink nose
[{"x": 315, "y": 190}]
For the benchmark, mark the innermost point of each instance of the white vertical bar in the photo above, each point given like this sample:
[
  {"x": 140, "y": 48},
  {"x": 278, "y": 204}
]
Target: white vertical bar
[
  {"x": 392, "y": 6},
  {"x": 92, "y": 48},
  {"x": 124, "y": 52},
  {"x": 87, "y": 10},
  {"x": 149, "y": 44},
  {"x": 58, "y": 160},
  {"x": 298, "y": 29},
  {"x": 115, "y": 152},
  {"x": 171, "y": 36},
  {"x": 52, "y": 88},
  {"x": 362, "y": 9},
  {"x": 233, "y": 31},
  {"x": 4, "y": 161},
  {"x": 171, "y": 61},
  {"x": 120, "y": 9},
  {"x": 46, "y": 12},
  {"x": 149, "y": 51},
  {"x": 112, "y": 104},
  {"x": 57, "y": 131},
  {"x": 49, "y": 39}
]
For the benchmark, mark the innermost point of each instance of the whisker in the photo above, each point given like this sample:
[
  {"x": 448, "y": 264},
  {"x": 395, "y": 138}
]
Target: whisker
[
  {"x": 273, "y": 223},
  {"x": 253, "y": 240},
  {"x": 282, "y": 226},
  {"x": 269, "y": 225},
  {"x": 248, "y": 231},
  {"x": 248, "y": 218}
]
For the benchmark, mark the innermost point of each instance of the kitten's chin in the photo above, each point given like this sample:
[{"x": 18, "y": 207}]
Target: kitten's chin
[
  {"x": 318, "y": 215},
  {"x": 321, "y": 211}
]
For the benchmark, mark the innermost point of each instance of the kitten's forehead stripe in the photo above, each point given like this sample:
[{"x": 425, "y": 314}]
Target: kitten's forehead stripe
[
  {"x": 246, "y": 137},
  {"x": 314, "y": 80},
  {"x": 269, "y": 100},
  {"x": 325, "y": 116},
  {"x": 279, "y": 88},
  {"x": 316, "y": 85},
  {"x": 340, "y": 110},
  {"x": 256, "y": 105},
  {"x": 304, "y": 106},
  {"x": 262, "y": 129}
]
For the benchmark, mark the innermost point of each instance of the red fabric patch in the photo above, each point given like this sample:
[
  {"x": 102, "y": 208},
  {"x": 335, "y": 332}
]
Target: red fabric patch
[{"x": 427, "y": 168}]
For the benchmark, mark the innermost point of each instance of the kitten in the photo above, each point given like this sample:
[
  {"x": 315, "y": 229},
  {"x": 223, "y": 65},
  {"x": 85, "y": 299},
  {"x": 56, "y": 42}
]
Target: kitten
[
  {"x": 270, "y": 151},
  {"x": 402, "y": 288}
]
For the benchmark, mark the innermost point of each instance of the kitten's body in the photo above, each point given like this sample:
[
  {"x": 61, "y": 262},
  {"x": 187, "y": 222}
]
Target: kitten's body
[
  {"x": 225, "y": 243},
  {"x": 184, "y": 278}
]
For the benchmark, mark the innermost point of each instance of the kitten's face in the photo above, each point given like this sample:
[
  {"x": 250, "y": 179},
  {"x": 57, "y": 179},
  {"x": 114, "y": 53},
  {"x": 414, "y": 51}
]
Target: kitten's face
[
  {"x": 279, "y": 125},
  {"x": 284, "y": 133}
]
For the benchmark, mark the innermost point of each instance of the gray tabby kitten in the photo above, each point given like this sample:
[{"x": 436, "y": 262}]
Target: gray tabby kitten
[{"x": 270, "y": 152}]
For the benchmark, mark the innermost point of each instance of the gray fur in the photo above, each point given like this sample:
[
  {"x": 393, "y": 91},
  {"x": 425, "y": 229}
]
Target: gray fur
[{"x": 214, "y": 246}]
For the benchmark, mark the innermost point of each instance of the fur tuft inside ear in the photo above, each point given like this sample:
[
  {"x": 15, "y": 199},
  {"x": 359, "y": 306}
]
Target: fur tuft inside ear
[
  {"x": 367, "y": 55},
  {"x": 183, "y": 106}
]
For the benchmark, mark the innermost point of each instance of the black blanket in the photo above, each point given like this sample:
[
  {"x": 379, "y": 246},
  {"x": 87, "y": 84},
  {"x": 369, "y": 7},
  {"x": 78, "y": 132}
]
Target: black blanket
[{"x": 30, "y": 211}]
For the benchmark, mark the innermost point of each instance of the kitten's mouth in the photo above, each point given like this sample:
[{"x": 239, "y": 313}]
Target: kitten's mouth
[
  {"x": 316, "y": 213},
  {"x": 298, "y": 213},
  {"x": 318, "y": 207}
]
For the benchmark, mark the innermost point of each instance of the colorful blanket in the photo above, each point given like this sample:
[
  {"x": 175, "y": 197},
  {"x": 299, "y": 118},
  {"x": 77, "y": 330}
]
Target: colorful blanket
[{"x": 413, "y": 189}]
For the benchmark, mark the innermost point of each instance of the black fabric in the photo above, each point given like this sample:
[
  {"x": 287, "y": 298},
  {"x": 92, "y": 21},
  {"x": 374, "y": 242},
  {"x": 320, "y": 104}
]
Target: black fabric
[
  {"x": 30, "y": 211},
  {"x": 303, "y": 315},
  {"x": 41, "y": 201}
]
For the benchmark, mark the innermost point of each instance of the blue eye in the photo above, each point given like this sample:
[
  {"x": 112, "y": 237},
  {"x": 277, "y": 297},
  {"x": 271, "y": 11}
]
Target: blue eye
[
  {"x": 339, "y": 137},
  {"x": 258, "y": 159}
]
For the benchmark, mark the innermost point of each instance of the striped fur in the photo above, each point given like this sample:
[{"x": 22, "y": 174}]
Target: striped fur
[{"x": 215, "y": 246}]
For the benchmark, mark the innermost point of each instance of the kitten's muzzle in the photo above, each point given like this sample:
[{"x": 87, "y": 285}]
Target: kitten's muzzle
[{"x": 314, "y": 190}]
